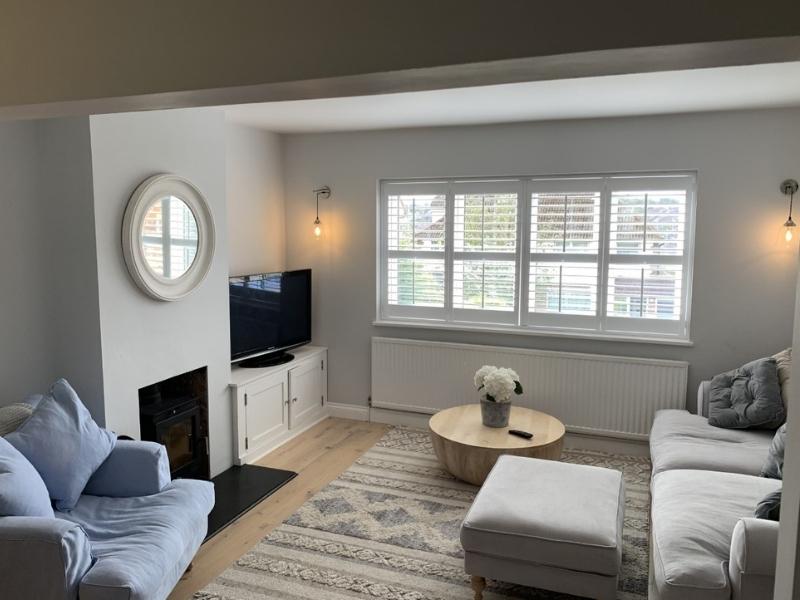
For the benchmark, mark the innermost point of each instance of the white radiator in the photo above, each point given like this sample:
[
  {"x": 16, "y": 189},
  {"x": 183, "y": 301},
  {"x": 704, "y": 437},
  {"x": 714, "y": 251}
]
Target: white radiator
[{"x": 602, "y": 395}]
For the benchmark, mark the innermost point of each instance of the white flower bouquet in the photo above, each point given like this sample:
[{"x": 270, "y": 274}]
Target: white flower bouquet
[{"x": 497, "y": 384}]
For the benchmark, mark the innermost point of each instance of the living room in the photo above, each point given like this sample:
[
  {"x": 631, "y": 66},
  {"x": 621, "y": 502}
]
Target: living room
[{"x": 619, "y": 241}]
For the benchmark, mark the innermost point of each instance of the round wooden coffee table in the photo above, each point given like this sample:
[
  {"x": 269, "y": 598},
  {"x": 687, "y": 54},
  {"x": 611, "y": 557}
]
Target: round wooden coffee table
[{"x": 468, "y": 449}]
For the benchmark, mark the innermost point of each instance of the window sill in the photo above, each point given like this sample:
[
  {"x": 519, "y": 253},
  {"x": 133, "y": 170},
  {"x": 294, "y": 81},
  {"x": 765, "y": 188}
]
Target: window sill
[{"x": 584, "y": 335}]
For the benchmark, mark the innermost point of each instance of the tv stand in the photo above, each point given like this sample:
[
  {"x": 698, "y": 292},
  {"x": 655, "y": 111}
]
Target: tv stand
[
  {"x": 274, "y": 404},
  {"x": 267, "y": 360}
]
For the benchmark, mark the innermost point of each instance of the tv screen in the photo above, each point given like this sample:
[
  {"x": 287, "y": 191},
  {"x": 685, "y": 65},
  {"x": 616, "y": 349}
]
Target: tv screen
[{"x": 270, "y": 312}]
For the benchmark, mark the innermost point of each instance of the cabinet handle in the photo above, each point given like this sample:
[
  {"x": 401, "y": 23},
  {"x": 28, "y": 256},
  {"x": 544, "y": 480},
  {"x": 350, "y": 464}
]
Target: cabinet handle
[
  {"x": 286, "y": 402},
  {"x": 294, "y": 399}
]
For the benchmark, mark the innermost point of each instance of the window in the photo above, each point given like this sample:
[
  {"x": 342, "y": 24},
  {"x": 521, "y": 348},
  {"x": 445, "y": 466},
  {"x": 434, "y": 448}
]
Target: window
[
  {"x": 599, "y": 255},
  {"x": 169, "y": 237}
]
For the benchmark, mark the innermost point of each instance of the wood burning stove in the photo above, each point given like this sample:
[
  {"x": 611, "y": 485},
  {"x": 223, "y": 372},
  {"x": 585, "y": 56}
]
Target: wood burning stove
[{"x": 174, "y": 412}]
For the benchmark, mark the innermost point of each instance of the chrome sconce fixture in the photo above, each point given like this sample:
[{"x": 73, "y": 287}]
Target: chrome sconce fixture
[
  {"x": 789, "y": 188},
  {"x": 325, "y": 192}
]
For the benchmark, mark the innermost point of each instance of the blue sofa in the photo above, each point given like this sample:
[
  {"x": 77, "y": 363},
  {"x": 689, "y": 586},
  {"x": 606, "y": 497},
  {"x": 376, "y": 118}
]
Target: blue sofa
[{"x": 131, "y": 536}]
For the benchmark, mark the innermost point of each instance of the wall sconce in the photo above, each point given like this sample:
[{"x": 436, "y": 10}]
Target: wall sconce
[
  {"x": 325, "y": 192},
  {"x": 789, "y": 188}
]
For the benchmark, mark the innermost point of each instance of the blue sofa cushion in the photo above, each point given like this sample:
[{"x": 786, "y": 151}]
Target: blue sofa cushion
[
  {"x": 142, "y": 544},
  {"x": 63, "y": 443},
  {"x": 22, "y": 491},
  {"x": 132, "y": 469}
]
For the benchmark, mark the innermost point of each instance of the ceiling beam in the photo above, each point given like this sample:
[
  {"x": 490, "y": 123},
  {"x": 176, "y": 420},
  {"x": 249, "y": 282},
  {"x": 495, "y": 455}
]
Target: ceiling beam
[{"x": 541, "y": 68}]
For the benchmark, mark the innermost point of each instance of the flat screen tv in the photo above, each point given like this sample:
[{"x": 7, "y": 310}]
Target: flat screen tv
[{"x": 270, "y": 313}]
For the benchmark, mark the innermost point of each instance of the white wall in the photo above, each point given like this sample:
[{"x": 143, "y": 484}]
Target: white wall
[
  {"x": 744, "y": 275},
  {"x": 26, "y": 363},
  {"x": 144, "y": 340},
  {"x": 256, "y": 216},
  {"x": 787, "y": 573}
]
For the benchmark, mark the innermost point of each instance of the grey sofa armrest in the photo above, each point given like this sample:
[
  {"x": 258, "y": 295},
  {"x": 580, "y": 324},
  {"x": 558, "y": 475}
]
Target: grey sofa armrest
[
  {"x": 132, "y": 469},
  {"x": 702, "y": 398},
  {"x": 754, "y": 550},
  {"x": 42, "y": 558}
]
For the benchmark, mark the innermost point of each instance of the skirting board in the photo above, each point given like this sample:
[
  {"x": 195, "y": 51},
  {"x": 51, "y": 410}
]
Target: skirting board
[
  {"x": 348, "y": 411},
  {"x": 572, "y": 440}
]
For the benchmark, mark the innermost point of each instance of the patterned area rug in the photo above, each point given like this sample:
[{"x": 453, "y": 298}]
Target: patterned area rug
[{"x": 388, "y": 527}]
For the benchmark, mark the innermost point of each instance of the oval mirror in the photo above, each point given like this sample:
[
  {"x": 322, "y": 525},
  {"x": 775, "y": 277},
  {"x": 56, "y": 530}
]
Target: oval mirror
[{"x": 168, "y": 237}]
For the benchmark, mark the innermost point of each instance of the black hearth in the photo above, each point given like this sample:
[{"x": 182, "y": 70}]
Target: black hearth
[{"x": 174, "y": 412}]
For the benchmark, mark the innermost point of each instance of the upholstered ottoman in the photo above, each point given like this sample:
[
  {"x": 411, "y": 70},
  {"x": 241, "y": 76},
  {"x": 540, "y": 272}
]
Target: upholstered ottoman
[{"x": 546, "y": 524}]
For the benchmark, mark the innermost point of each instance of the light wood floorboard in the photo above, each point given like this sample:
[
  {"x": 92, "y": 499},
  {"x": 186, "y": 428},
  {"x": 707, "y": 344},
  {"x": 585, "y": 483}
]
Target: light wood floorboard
[{"x": 319, "y": 456}]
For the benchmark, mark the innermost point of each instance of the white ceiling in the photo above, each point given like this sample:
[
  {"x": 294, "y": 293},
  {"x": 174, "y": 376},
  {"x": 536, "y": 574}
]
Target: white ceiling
[{"x": 725, "y": 88}]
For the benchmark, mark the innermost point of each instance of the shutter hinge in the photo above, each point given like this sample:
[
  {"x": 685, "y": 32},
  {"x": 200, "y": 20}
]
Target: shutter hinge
[
  {"x": 245, "y": 399},
  {"x": 322, "y": 365},
  {"x": 322, "y": 400},
  {"x": 246, "y": 443}
]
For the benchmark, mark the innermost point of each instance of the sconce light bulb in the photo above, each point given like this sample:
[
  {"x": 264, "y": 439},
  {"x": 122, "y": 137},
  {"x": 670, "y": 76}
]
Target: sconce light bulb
[
  {"x": 788, "y": 227},
  {"x": 317, "y": 229}
]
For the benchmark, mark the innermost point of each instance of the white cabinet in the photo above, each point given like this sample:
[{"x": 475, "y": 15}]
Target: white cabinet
[
  {"x": 266, "y": 410},
  {"x": 305, "y": 393},
  {"x": 273, "y": 404}
]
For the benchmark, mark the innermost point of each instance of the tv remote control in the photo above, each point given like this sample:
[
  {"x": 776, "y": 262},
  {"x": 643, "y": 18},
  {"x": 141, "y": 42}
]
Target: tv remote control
[{"x": 522, "y": 434}]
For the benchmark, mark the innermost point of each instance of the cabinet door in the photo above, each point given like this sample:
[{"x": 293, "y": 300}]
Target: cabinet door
[
  {"x": 306, "y": 393},
  {"x": 266, "y": 410}
]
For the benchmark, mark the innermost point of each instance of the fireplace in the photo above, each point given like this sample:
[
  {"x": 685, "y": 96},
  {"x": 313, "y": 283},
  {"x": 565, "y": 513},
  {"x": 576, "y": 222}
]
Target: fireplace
[{"x": 174, "y": 412}]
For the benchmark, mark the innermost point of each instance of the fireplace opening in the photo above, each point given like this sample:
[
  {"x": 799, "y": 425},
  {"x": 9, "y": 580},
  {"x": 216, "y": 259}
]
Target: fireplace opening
[{"x": 174, "y": 412}]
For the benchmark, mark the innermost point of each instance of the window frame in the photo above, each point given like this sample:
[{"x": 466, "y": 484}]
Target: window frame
[{"x": 597, "y": 326}]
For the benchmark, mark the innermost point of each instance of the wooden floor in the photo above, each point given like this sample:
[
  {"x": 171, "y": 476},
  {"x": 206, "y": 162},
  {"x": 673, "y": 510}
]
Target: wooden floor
[{"x": 319, "y": 455}]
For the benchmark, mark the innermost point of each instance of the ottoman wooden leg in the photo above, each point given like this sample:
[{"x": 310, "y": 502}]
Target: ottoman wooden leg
[{"x": 478, "y": 585}]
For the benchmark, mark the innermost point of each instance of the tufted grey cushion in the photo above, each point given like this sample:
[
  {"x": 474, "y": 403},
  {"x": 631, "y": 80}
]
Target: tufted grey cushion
[
  {"x": 773, "y": 467},
  {"x": 12, "y": 416},
  {"x": 769, "y": 507},
  {"x": 749, "y": 397},
  {"x": 784, "y": 362}
]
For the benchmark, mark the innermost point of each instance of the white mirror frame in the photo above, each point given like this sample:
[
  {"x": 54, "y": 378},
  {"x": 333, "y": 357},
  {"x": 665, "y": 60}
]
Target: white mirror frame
[{"x": 152, "y": 189}]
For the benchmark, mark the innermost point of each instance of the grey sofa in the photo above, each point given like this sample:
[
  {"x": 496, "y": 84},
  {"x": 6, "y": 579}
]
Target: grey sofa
[
  {"x": 705, "y": 544},
  {"x": 131, "y": 536}
]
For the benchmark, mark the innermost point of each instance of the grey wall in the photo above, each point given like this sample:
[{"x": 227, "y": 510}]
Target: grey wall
[
  {"x": 65, "y": 192},
  {"x": 26, "y": 362},
  {"x": 256, "y": 216},
  {"x": 49, "y": 323},
  {"x": 744, "y": 274},
  {"x": 144, "y": 340}
]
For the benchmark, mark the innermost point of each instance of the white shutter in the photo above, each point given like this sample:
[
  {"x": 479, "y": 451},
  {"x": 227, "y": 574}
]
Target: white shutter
[
  {"x": 571, "y": 254},
  {"x": 648, "y": 254},
  {"x": 565, "y": 228},
  {"x": 414, "y": 218},
  {"x": 485, "y": 243}
]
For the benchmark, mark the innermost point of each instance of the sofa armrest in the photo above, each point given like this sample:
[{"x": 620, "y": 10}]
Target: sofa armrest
[
  {"x": 702, "y": 398},
  {"x": 42, "y": 558},
  {"x": 754, "y": 550},
  {"x": 132, "y": 469}
]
